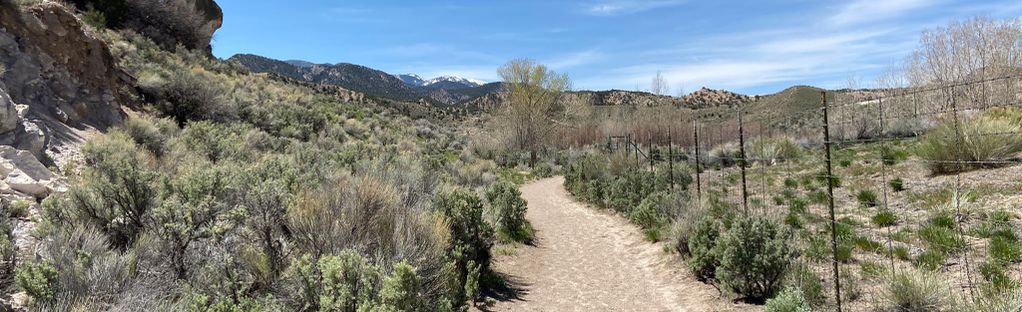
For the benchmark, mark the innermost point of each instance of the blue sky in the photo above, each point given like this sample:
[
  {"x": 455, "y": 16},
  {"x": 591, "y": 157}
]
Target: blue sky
[{"x": 753, "y": 47}]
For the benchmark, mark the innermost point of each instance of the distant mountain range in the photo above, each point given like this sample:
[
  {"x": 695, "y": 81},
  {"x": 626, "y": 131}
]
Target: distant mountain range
[
  {"x": 444, "y": 91},
  {"x": 459, "y": 91}
]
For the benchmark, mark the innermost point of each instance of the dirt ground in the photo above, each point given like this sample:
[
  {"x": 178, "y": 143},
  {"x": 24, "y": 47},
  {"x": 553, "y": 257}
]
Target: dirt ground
[{"x": 589, "y": 260}]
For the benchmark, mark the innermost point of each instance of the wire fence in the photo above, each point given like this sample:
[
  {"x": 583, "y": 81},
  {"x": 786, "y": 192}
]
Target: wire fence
[{"x": 891, "y": 178}]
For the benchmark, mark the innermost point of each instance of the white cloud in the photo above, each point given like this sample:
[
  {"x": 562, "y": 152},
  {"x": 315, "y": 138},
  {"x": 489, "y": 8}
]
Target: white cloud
[
  {"x": 570, "y": 60},
  {"x": 859, "y": 11},
  {"x": 621, "y": 7},
  {"x": 738, "y": 61}
]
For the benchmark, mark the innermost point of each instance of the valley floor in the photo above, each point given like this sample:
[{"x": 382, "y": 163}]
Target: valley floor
[{"x": 589, "y": 260}]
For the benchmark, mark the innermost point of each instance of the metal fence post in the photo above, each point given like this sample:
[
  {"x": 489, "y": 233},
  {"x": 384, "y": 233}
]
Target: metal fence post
[
  {"x": 699, "y": 162},
  {"x": 744, "y": 162},
  {"x": 670, "y": 155},
  {"x": 830, "y": 204}
]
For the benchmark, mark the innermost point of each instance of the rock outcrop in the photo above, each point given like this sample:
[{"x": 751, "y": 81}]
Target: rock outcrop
[
  {"x": 190, "y": 23},
  {"x": 57, "y": 68},
  {"x": 706, "y": 97}
]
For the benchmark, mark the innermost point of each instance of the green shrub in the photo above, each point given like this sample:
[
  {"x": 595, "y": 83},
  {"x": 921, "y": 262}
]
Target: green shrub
[
  {"x": 981, "y": 139},
  {"x": 901, "y": 252},
  {"x": 885, "y": 218},
  {"x": 348, "y": 280},
  {"x": 684, "y": 222},
  {"x": 931, "y": 259},
  {"x": 797, "y": 206},
  {"x": 471, "y": 236},
  {"x": 117, "y": 192},
  {"x": 472, "y": 282},
  {"x": 993, "y": 272},
  {"x": 891, "y": 156},
  {"x": 790, "y": 183},
  {"x": 543, "y": 170},
  {"x": 819, "y": 197},
  {"x": 39, "y": 281},
  {"x": 819, "y": 249},
  {"x": 18, "y": 209},
  {"x": 186, "y": 95},
  {"x": 1005, "y": 249},
  {"x": 702, "y": 246},
  {"x": 510, "y": 209},
  {"x": 94, "y": 18},
  {"x": 803, "y": 278},
  {"x": 794, "y": 221},
  {"x": 650, "y": 213},
  {"x": 844, "y": 163},
  {"x": 941, "y": 238},
  {"x": 193, "y": 206},
  {"x": 788, "y": 193},
  {"x": 401, "y": 289},
  {"x": 149, "y": 133},
  {"x": 627, "y": 191},
  {"x": 897, "y": 185},
  {"x": 915, "y": 290},
  {"x": 834, "y": 179},
  {"x": 773, "y": 150},
  {"x": 788, "y": 300},
  {"x": 754, "y": 255},
  {"x": 872, "y": 269},
  {"x": 867, "y": 198}
]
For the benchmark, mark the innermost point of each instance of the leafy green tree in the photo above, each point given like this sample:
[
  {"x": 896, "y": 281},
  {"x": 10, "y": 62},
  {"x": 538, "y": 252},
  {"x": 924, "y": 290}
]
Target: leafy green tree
[{"x": 533, "y": 104}]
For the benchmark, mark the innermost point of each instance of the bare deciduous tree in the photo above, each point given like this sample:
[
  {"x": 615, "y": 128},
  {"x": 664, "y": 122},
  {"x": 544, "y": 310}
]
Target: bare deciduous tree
[
  {"x": 659, "y": 85},
  {"x": 533, "y": 108}
]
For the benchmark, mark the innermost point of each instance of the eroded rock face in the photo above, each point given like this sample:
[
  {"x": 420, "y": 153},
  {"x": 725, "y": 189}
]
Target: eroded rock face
[
  {"x": 53, "y": 65},
  {"x": 190, "y": 23}
]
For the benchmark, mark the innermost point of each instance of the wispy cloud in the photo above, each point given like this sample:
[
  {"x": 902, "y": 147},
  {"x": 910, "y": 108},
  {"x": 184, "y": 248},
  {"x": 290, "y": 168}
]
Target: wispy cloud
[
  {"x": 570, "y": 60},
  {"x": 859, "y": 11},
  {"x": 621, "y": 7},
  {"x": 791, "y": 56}
]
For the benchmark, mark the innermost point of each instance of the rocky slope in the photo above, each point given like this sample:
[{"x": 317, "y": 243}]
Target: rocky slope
[
  {"x": 705, "y": 97},
  {"x": 349, "y": 76}
]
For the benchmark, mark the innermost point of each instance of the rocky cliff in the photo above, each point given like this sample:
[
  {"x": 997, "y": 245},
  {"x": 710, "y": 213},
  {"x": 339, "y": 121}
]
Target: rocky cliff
[{"x": 57, "y": 78}]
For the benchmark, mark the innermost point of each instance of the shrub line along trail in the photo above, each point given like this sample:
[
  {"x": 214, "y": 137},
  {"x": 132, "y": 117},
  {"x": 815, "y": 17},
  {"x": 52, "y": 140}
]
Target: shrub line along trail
[{"x": 590, "y": 260}]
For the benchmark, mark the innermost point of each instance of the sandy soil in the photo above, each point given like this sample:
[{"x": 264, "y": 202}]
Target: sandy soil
[{"x": 589, "y": 260}]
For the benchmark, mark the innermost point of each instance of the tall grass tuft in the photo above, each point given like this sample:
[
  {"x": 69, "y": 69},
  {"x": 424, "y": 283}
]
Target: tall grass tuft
[
  {"x": 977, "y": 143},
  {"x": 913, "y": 290}
]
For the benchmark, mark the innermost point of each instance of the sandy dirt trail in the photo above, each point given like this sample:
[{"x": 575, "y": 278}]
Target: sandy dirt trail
[{"x": 589, "y": 260}]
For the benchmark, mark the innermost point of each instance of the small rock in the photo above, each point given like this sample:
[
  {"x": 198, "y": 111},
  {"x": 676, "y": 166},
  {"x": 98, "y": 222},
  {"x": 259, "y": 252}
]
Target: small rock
[{"x": 61, "y": 115}]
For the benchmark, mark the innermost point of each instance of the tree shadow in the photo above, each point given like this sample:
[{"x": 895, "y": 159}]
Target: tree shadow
[{"x": 505, "y": 287}]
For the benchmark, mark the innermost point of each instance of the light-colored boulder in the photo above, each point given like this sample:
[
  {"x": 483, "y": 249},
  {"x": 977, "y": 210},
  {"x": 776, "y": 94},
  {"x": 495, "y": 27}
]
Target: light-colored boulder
[
  {"x": 31, "y": 137},
  {"x": 8, "y": 113},
  {"x": 23, "y": 173}
]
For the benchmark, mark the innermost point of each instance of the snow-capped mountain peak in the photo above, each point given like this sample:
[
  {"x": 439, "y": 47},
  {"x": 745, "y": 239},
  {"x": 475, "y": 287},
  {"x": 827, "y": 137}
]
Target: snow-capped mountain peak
[
  {"x": 412, "y": 79},
  {"x": 456, "y": 80},
  {"x": 442, "y": 82}
]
